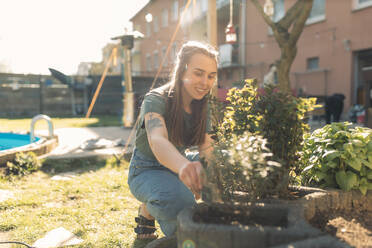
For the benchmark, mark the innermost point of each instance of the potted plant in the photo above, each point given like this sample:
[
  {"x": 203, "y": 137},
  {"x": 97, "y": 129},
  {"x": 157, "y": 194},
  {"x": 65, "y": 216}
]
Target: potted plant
[{"x": 246, "y": 194}]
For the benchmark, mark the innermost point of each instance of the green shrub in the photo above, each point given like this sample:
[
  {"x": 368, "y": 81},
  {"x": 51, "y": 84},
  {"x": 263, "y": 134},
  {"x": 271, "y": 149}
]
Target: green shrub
[
  {"x": 23, "y": 164},
  {"x": 338, "y": 156},
  {"x": 276, "y": 116},
  {"x": 242, "y": 164}
]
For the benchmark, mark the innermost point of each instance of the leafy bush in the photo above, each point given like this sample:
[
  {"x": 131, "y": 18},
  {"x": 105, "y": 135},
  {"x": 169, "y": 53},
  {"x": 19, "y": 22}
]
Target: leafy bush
[
  {"x": 276, "y": 116},
  {"x": 23, "y": 164},
  {"x": 338, "y": 156},
  {"x": 242, "y": 164}
]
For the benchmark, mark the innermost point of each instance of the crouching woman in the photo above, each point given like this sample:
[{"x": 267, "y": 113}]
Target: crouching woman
[{"x": 173, "y": 117}]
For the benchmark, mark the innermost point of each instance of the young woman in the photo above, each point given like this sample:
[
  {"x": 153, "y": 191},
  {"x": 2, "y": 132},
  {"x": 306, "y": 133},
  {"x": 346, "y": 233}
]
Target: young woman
[{"x": 173, "y": 118}]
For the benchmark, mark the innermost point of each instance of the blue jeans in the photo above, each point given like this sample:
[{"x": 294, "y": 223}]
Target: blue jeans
[{"x": 160, "y": 189}]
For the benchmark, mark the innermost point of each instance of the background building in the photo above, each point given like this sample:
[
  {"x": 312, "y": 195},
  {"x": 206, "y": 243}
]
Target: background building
[{"x": 334, "y": 50}]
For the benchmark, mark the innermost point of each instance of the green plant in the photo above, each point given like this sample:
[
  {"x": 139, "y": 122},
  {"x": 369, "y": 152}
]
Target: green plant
[
  {"x": 276, "y": 116},
  {"x": 338, "y": 156},
  {"x": 23, "y": 164},
  {"x": 242, "y": 164}
]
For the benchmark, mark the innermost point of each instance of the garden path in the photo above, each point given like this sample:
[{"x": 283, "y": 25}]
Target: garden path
[{"x": 89, "y": 141}]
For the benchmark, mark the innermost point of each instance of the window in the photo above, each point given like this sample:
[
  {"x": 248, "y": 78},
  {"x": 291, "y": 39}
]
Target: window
[
  {"x": 164, "y": 18},
  {"x": 156, "y": 26},
  {"x": 175, "y": 11},
  {"x": 156, "y": 60},
  {"x": 317, "y": 12},
  {"x": 148, "y": 29},
  {"x": 163, "y": 51},
  {"x": 204, "y": 5},
  {"x": 360, "y": 4},
  {"x": 137, "y": 27},
  {"x": 312, "y": 63},
  {"x": 363, "y": 1},
  {"x": 279, "y": 12},
  {"x": 148, "y": 62}
]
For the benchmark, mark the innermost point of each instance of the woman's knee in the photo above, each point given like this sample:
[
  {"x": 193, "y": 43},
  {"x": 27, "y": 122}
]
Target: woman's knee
[{"x": 168, "y": 205}]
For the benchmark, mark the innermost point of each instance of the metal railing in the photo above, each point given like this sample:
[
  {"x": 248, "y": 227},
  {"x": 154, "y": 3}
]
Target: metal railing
[{"x": 33, "y": 122}]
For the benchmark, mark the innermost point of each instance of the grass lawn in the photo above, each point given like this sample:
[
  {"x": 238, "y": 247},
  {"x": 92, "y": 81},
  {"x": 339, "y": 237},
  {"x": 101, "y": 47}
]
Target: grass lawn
[
  {"x": 23, "y": 124},
  {"x": 96, "y": 205}
]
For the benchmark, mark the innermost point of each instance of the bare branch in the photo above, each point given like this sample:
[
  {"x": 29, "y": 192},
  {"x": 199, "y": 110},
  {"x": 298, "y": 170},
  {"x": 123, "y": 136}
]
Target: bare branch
[
  {"x": 281, "y": 39},
  {"x": 300, "y": 22},
  {"x": 261, "y": 11},
  {"x": 291, "y": 15}
]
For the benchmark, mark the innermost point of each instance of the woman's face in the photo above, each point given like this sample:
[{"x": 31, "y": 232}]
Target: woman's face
[{"x": 199, "y": 77}]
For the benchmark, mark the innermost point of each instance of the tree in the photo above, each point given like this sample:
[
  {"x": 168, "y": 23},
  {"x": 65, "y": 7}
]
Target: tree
[{"x": 287, "y": 31}]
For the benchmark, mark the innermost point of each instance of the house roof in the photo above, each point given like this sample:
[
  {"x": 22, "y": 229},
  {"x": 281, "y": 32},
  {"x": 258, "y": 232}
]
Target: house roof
[{"x": 144, "y": 7}]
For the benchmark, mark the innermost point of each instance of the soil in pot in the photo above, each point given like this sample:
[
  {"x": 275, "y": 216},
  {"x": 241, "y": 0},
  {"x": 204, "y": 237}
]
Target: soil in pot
[
  {"x": 353, "y": 227},
  {"x": 240, "y": 215},
  {"x": 242, "y": 226}
]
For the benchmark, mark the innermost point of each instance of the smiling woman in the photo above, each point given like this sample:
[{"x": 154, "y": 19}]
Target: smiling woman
[{"x": 172, "y": 118}]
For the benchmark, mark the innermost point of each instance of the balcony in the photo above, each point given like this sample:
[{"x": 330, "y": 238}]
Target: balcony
[{"x": 229, "y": 56}]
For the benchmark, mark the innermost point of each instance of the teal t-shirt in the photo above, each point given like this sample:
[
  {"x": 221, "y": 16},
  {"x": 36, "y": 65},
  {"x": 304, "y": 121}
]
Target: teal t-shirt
[{"x": 155, "y": 102}]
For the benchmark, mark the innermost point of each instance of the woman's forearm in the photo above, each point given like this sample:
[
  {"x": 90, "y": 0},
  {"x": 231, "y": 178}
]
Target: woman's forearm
[{"x": 167, "y": 154}]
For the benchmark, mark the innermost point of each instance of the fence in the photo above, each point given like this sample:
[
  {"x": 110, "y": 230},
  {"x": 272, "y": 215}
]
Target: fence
[{"x": 29, "y": 95}]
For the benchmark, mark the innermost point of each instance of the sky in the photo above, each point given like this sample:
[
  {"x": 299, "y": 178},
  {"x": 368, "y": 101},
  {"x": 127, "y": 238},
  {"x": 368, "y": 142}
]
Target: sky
[{"x": 37, "y": 34}]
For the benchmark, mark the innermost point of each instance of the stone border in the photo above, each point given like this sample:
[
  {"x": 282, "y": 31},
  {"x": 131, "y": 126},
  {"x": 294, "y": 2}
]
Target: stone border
[
  {"x": 304, "y": 209},
  {"x": 335, "y": 200}
]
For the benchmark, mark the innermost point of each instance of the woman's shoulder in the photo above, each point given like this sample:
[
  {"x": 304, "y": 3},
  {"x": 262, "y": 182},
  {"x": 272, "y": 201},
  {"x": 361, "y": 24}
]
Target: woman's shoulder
[
  {"x": 156, "y": 100},
  {"x": 162, "y": 92}
]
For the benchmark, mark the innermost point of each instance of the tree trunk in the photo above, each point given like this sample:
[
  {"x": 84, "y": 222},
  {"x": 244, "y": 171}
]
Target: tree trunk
[
  {"x": 294, "y": 20},
  {"x": 284, "y": 66}
]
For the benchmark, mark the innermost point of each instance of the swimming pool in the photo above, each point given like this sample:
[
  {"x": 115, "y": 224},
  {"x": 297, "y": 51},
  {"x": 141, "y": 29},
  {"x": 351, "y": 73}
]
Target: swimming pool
[
  {"x": 13, "y": 143},
  {"x": 14, "y": 140}
]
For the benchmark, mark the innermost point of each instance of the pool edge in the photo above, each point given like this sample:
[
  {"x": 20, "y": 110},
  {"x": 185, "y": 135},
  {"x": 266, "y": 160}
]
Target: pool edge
[{"x": 44, "y": 146}]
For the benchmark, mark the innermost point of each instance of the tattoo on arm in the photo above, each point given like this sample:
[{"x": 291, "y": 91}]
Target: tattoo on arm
[{"x": 152, "y": 123}]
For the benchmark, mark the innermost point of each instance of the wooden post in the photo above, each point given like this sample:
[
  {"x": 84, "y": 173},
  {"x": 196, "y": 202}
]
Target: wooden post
[
  {"x": 128, "y": 115},
  {"x": 212, "y": 33}
]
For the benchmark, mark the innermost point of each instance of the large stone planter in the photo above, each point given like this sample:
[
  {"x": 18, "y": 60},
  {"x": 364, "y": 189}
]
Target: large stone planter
[
  {"x": 282, "y": 224},
  {"x": 275, "y": 224},
  {"x": 278, "y": 224}
]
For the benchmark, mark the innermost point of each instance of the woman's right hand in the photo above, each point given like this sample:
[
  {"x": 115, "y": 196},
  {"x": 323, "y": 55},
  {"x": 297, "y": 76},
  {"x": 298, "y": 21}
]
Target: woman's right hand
[{"x": 191, "y": 175}]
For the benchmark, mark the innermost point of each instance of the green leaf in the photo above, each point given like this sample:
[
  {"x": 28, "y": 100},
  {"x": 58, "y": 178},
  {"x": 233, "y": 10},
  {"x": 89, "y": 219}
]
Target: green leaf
[
  {"x": 332, "y": 164},
  {"x": 308, "y": 168},
  {"x": 367, "y": 163},
  {"x": 346, "y": 180},
  {"x": 320, "y": 175},
  {"x": 357, "y": 143},
  {"x": 331, "y": 154},
  {"x": 369, "y": 146},
  {"x": 369, "y": 158},
  {"x": 363, "y": 171},
  {"x": 330, "y": 181},
  {"x": 369, "y": 174},
  {"x": 355, "y": 163},
  {"x": 348, "y": 147},
  {"x": 363, "y": 188}
]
